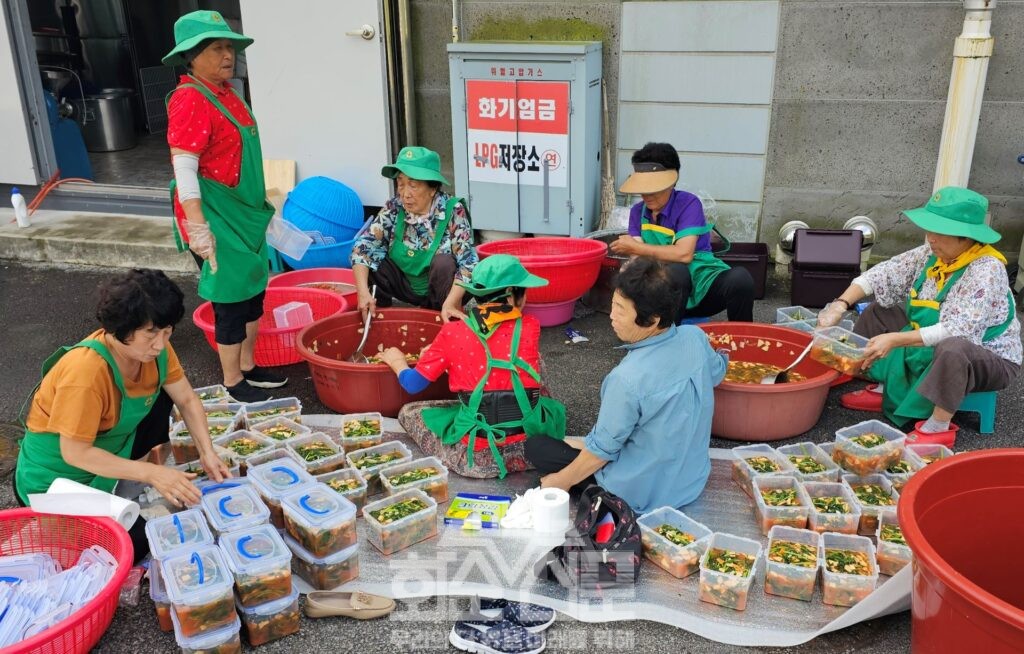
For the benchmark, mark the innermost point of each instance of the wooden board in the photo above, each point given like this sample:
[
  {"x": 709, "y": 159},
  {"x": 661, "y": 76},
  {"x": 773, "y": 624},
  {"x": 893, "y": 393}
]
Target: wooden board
[{"x": 279, "y": 174}]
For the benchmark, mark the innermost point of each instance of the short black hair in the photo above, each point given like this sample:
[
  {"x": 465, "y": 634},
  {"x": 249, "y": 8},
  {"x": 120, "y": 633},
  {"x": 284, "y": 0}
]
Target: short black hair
[
  {"x": 434, "y": 184},
  {"x": 195, "y": 51},
  {"x": 652, "y": 289},
  {"x": 518, "y": 292},
  {"x": 662, "y": 153},
  {"x": 134, "y": 299}
]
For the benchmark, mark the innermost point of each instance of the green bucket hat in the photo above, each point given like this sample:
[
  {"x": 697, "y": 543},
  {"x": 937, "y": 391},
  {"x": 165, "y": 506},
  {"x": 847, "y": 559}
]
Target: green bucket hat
[
  {"x": 498, "y": 272},
  {"x": 955, "y": 211},
  {"x": 197, "y": 26},
  {"x": 417, "y": 163}
]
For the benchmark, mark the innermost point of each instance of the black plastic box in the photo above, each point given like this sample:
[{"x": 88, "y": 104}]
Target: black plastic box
[
  {"x": 825, "y": 262},
  {"x": 753, "y": 257}
]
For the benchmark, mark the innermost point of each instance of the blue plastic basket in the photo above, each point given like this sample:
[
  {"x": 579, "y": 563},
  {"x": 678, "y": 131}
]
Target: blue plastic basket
[
  {"x": 324, "y": 205},
  {"x": 323, "y": 256}
]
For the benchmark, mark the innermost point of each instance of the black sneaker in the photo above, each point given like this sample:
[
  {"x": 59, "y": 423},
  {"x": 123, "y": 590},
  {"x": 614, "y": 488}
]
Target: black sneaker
[
  {"x": 264, "y": 378},
  {"x": 495, "y": 638},
  {"x": 533, "y": 617},
  {"x": 243, "y": 392}
]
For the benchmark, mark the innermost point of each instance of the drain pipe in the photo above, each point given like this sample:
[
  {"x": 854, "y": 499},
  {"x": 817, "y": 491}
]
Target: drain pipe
[
  {"x": 408, "y": 89},
  {"x": 971, "y": 54},
  {"x": 455, "y": 21}
]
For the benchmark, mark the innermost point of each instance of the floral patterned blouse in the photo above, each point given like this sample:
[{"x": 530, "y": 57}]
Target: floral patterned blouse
[
  {"x": 372, "y": 246},
  {"x": 977, "y": 301}
]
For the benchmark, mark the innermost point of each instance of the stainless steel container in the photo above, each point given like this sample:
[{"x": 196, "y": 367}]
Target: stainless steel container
[
  {"x": 599, "y": 297},
  {"x": 109, "y": 121}
]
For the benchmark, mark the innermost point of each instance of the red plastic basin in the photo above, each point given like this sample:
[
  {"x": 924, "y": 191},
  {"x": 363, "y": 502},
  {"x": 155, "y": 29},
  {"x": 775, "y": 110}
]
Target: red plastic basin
[
  {"x": 755, "y": 412},
  {"x": 570, "y": 265},
  {"x": 359, "y": 388},
  {"x": 961, "y": 517},
  {"x": 329, "y": 277}
]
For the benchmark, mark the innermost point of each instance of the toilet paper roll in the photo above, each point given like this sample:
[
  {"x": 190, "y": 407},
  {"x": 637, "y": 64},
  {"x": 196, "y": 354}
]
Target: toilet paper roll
[
  {"x": 66, "y": 497},
  {"x": 550, "y": 510}
]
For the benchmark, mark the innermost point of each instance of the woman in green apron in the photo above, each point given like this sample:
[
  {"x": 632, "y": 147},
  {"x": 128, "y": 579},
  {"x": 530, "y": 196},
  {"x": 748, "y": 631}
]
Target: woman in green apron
[
  {"x": 219, "y": 196},
  {"x": 419, "y": 244},
  {"x": 492, "y": 358},
  {"x": 669, "y": 225},
  {"x": 943, "y": 323},
  {"x": 105, "y": 402}
]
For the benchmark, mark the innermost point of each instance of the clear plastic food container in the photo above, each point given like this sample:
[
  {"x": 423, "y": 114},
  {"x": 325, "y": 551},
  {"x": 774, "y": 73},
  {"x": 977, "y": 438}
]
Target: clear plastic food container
[
  {"x": 271, "y": 620},
  {"x": 780, "y": 500},
  {"x": 755, "y": 461},
  {"x": 167, "y": 535},
  {"x": 234, "y": 508},
  {"x": 848, "y": 568},
  {"x": 202, "y": 480},
  {"x": 810, "y": 462},
  {"x": 267, "y": 455},
  {"x": 198, "y": 584},
  {"x": 260, "y": 562},
  {"x": 833, "y": 507},
  {"x": 792, "y": 563},
  {"x": 361, "y": 430},
  {"x": 218, "y": 411},
  {"x": 324, "y": 573},
  {"x": 892, "y": 552},
  {"x": 839, "y": 349},
  {"x": 664, "y": 533},
  {"x": 244, "y": 445},
  {"x": 829, "y": 449},
  {"x": 811, "y": 326},
  {"x": 184, "y": 448},
  {"x": 225, "y": 640},
  {"x": 285, "y": 407},
  {"x": 275, "y": 479},
  {"x": 281, "y": 430},
  {"x": 319, "y": 519},
  {"x": 867, "y": 447},
  {"x": 158, "y": 594},
  {"x": 370, "y": 460},
  {"x": 318, "y": 453},
  {"x": 427, "y": 474},
  {"x": 929, "y": 454},
  {"x": 399, "y": 521},
  {"x": 875, "y": 496},
  {"x": 794, "y": 314},
  {"x": 215, "y": 394},
  {"x": 899, "y": 473},
  {"x": 349, "y": 484},
  {"x": 727, "y": 569}
]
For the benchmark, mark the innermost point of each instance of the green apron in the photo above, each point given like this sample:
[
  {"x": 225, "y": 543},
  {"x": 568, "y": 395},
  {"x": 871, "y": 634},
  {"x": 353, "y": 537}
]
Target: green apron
[
  {"x": 903, "y": 369},
  {"x": 40, "y": 460},
  {"x": 704, "y": 267},
  {"x": 452, "y": 423},
  {"x": 238, "y": 217},
  {"x": 415, "y": 264}
]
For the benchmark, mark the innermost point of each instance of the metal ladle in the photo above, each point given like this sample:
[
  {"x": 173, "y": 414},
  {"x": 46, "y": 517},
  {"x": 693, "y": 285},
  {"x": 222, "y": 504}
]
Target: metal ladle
[
  {"x": 358, "y": 356},
  {"x": 782, "y": 376}
]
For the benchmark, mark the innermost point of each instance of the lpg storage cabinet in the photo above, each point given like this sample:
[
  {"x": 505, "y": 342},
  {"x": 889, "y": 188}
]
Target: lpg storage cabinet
[{"x": 526, "y": 132}]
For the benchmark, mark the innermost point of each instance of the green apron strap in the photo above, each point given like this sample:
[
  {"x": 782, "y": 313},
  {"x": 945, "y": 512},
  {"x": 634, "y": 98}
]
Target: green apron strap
[{"x": 415, "y": 264}]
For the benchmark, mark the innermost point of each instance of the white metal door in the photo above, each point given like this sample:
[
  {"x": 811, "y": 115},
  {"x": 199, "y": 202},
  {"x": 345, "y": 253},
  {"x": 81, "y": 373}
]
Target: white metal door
[
  {"x": 17, "y": 165},
  {"x": 317, "y": 88}
]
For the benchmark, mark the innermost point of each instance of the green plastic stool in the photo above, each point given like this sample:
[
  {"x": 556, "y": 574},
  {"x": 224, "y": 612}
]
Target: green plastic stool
[{"x": 984, "y": 404}]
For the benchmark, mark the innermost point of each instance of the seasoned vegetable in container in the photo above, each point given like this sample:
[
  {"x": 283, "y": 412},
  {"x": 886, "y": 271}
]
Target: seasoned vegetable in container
[
  {"x": 673, "y": 541},
  {"x": 281, "y": 430},
  {"x": 780, "y": 500},
  {"x": 868, "y": 447},
  {"x": 929, "y": 454},
  {"x": 371, "y": 460},
  {"x": 727, "y": 570},
  {"x": 267, "y": 455},
  {"x": 225, "y": 640},
  {"x": 891, "y": 552},
  {"x": 876, "y": 496},
  {"x": 833, "y": 507},
  {"x": 158, "y": 594},
  {"x": 260, "y": 563},
  {"x": 899, "y": 473},
  {"x": 839, "y": 349},
  {"x": 794, "y": 314},
  {"x": 361, "y": 430},
  {"x": 324, "y": 573},
  {"x": 427, "y": 474},
  {"x": 271, "y": 620},
  {"x": 810, "y": 462},
  {"x": 755, "y": 461},
  {"x": 275, "y": 479},
  {"x": 199, "y": 584},
  {"x": 399, "y": 521},
  {"x": 848, "y": 569},
  {"x": 216, "y": 394},
  {"x": 170, "y": 534},
  {"x": 285, "y": 407},
  {"x": 348, "y": 483},
  {"x": 233, "y": 508},
  {"x": 184, "y": 448},
  {"x": 244, "y": 445},
  {"x": 792, "y": 563},
  {"x": 319, "y": 519},
  {"x": 317, "y": 452}
]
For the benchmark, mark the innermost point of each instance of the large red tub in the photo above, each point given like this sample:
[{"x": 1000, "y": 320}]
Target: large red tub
[
  {"x": 359, "y": 388},
  {"x": 569, "y": 264},
  {"x": 962, "y": 518},
  {"x": 338, "y": 280},
  {"x": 755, "y": 412}
]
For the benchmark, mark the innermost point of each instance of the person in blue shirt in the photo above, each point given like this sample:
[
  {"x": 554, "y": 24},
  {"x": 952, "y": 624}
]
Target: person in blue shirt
[{"x": 650, "y": 443}]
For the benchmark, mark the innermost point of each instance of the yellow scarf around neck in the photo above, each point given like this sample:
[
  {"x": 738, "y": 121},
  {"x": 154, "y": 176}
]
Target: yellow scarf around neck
[
  {"x": 491, "y": 314},
  {"x": 941, "y": 271}
]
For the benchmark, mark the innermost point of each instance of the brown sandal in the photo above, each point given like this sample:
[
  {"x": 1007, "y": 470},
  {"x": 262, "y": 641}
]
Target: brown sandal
[{"x": 358, "y": 605}]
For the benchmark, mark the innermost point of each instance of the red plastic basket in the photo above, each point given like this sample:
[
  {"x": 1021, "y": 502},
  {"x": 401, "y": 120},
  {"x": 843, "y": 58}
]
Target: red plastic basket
[
  {"x": 297, "y": 278},
  {"x": 275, "y": 346},
  {"x": 570, "y": 265},
  {"x": 23, "y": 531}
]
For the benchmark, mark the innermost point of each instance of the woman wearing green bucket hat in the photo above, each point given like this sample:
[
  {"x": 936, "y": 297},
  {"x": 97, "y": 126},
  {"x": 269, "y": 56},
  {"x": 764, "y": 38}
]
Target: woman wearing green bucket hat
[
  {"x": 943, "y": 323},
  {"x": 492, "y": 358},
  {"x": 419, "y": 244},
  {"x": 218, "y": 194}
]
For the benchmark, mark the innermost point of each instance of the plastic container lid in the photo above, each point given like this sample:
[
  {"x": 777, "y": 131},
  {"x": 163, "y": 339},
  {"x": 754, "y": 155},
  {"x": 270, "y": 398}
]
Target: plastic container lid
[
  {"x": 275, "y": 479},
  {"x": 25, "y": 567},
  {"x": 167, "y": 535},
  {"x": 827, "y": 248},
  {"x": 254, "y": 550},
  {"x": 234, "y": 508},
  {"x": 208, "y": 640},
  {"x": 267, "y": 608},
  {"x": 196, "y": 576},
  {"x": 300, "y": 552},
  {"x": 157, "y": 592},
  {"x": 318, "y": 507}
]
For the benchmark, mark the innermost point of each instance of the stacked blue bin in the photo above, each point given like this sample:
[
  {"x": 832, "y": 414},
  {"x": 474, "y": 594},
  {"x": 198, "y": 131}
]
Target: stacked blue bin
[{"x": 324, "y": 205}]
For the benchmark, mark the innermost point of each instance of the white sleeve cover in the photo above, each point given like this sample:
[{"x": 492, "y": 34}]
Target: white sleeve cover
[
  {"x": 933, "y": 335},
  {"x": 186, "y": 172}
]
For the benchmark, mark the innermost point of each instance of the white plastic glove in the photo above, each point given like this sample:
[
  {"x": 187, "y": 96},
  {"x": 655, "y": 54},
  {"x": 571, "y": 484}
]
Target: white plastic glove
[
  {"x": 831, "y": 314},
  {"x": 202, "y": 241}
]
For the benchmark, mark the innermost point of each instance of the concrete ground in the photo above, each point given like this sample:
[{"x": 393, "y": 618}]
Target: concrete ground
[{"x": 43, "y": 306}]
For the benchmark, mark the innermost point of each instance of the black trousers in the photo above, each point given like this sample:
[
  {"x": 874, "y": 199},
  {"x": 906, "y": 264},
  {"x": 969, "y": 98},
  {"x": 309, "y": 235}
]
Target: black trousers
[
  {"x": 392, "y": 284},
  {"x": 550, "y": 455},
  {"x": 732, "y": 291},
  {"x": 152, "y": 431}
]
